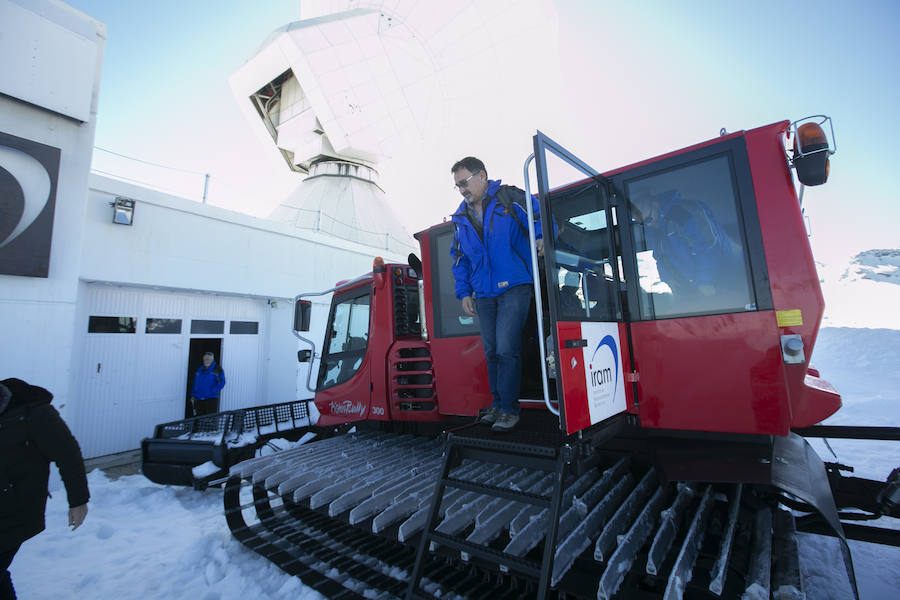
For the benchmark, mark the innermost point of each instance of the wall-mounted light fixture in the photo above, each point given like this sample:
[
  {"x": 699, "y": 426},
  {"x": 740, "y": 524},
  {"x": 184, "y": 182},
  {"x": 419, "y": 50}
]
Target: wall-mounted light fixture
[{"x": 123, "y": 211}]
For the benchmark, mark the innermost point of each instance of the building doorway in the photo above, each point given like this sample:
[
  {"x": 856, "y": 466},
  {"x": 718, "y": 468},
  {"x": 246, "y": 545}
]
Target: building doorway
[{"x": 199, "y": 347}]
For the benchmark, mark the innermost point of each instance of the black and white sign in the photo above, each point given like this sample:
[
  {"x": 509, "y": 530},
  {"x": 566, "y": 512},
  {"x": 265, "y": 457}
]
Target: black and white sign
[{"x": 29, "y": 172}]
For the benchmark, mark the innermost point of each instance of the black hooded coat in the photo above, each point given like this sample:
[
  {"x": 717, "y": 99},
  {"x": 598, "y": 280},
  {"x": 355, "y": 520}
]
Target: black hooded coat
[{"x": 32, "y": 434}]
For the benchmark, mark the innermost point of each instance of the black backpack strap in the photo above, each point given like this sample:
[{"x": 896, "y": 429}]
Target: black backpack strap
[{"x": 507, "y": 196}]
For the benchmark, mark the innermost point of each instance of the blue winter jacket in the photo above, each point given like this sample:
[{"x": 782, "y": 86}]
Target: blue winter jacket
[
  {"x": 502, "y": 259},
  {"x": 208, "y": 382},
  {"x": 689, "y": 246}
]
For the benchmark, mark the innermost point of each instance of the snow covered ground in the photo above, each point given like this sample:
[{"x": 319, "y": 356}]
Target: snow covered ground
[{"x": 146, "y": 541}]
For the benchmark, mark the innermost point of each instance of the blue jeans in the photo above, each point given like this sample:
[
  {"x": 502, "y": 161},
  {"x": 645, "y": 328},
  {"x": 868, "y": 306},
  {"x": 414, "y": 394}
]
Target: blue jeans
[{"x": 502, "y": 319}]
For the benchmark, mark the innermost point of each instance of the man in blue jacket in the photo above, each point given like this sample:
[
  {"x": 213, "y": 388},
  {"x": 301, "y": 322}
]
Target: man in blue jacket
[
  {"x": 492, "y": 268},
  {"x": 208, "y": 382}
]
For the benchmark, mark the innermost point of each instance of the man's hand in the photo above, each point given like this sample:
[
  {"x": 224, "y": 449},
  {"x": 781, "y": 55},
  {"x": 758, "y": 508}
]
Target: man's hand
[
  {"x": 539, "y": 246},
  {"x": 468, "y": 306},
  {"x": 77, "y": 515}
]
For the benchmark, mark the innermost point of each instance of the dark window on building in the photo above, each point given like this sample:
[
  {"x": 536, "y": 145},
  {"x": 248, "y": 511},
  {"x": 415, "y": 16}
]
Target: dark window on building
[
  {"x": 163, "y": 326},
  {"x": 112, "y": 325},
  {"x": 244, "y": 327},
  {"x": 213, "y": 327}
]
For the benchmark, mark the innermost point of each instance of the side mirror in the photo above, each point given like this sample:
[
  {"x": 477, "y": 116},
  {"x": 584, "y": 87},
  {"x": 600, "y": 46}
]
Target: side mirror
[
  {"x": 302, "y": 311},
  {"x": 304, "y": 355},
  {"x": 415, "y": 263}
]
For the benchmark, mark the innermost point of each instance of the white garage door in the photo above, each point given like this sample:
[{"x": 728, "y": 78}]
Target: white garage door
[{"x": 132, "y": 367}]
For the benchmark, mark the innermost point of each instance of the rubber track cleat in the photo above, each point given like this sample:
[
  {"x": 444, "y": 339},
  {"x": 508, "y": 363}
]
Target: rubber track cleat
[
  {"x": 489, "y": 417},
  {"x": 505, "y": 423}
]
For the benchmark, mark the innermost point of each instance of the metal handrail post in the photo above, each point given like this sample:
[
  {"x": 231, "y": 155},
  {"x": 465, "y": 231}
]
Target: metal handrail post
[{"x": 538, "y": 303}]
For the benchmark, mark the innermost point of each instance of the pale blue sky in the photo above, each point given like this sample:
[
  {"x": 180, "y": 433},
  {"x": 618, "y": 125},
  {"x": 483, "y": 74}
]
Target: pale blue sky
[{"x": 640, "y": 79}]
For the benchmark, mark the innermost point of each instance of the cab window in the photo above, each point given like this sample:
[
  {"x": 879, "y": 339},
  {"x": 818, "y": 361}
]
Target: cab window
[
  {"x": 688, "y": 241},
  {"x": 449, "y": 318},
  {"x": 346, "y": 340}
]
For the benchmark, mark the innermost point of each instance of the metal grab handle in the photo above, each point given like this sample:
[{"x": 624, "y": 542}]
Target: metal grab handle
[{"x": 539, "y": 308}]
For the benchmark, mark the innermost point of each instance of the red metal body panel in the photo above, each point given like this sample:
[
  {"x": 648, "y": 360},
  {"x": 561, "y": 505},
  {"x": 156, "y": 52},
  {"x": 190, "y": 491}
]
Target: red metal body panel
[
  {"x": 461, "y": 379},
  {"x": 461, "y": 375},
  {"x": 711, "y": 373},
  {"x": 381, "y": 336},
  {"x": 571, "y": 372},
  {"x": 792, "y": 270},
  {"x": 347, "y": 402}
]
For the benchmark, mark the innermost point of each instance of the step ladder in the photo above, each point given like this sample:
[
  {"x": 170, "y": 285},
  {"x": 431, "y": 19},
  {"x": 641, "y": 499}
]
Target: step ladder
[{"x": 457, "y": 447}]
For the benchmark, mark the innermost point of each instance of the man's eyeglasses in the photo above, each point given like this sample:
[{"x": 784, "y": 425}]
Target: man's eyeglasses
[{"x": 465, "y": 182}]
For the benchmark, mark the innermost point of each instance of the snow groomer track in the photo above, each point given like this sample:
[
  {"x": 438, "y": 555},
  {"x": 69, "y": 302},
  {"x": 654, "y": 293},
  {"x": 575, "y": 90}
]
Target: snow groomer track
[{"x": 354, "y": 517}]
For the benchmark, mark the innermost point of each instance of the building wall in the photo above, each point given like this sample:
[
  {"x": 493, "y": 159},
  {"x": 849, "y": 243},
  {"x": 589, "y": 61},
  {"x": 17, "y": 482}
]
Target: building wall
[
  {"x": 128, "y": 382},
  {"x": 181, "y": 244},
  {"x": 36, "y": 313},
  {"x": 184, "y": 260}
]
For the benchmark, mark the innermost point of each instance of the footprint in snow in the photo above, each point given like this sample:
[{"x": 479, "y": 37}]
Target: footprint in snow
[{"x": 105, "y": 531}]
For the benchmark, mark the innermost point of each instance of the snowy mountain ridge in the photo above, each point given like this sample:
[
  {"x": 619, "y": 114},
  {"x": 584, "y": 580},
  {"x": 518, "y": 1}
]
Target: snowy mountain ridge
[
  {"x": 876, "y": 265},
  {"x": 864, "y": 292}
]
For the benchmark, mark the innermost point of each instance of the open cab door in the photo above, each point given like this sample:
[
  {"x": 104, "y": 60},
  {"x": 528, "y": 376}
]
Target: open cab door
[{"x": 589, "y": 357}]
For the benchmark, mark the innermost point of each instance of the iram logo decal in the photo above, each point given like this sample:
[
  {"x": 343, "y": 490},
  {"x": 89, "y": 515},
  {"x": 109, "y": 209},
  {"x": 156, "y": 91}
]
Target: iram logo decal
[{"x": 604, "y": 375}]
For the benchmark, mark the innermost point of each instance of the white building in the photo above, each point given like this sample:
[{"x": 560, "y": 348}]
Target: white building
[{"x": 113, "y": 317}]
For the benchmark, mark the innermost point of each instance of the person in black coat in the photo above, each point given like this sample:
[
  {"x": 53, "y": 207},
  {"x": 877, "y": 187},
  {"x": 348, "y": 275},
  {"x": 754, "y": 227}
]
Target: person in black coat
[{"x": 32, "y": 434}]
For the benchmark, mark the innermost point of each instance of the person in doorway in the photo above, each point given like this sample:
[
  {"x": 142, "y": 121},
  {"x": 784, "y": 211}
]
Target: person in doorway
[
  {"x": 694, "y": 255},
  {"x": 493, "y": 274},
  {"x": 208, "y": 383},
  {"x": 32, "y": 434}
]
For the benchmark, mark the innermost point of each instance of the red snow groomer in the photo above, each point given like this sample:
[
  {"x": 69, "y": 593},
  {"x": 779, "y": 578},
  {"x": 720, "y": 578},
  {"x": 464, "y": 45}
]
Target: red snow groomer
[{"x": 666, "y": 393}]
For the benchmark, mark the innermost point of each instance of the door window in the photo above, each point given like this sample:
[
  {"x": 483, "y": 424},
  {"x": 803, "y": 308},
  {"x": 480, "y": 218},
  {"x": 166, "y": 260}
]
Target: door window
[
  {"x": 583, "y": 250},
  {"x": 347, "y": 340}
]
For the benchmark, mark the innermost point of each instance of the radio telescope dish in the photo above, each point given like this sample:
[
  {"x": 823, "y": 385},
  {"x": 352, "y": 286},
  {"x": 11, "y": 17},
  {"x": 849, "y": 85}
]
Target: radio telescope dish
[{"x": 359, "y": 82}]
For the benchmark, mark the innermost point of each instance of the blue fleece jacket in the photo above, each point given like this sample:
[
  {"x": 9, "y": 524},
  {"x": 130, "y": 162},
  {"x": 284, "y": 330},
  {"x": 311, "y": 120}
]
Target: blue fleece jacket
[
  {"x": 501, "y": 259},
  {"x": 208, "y": 381}
]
